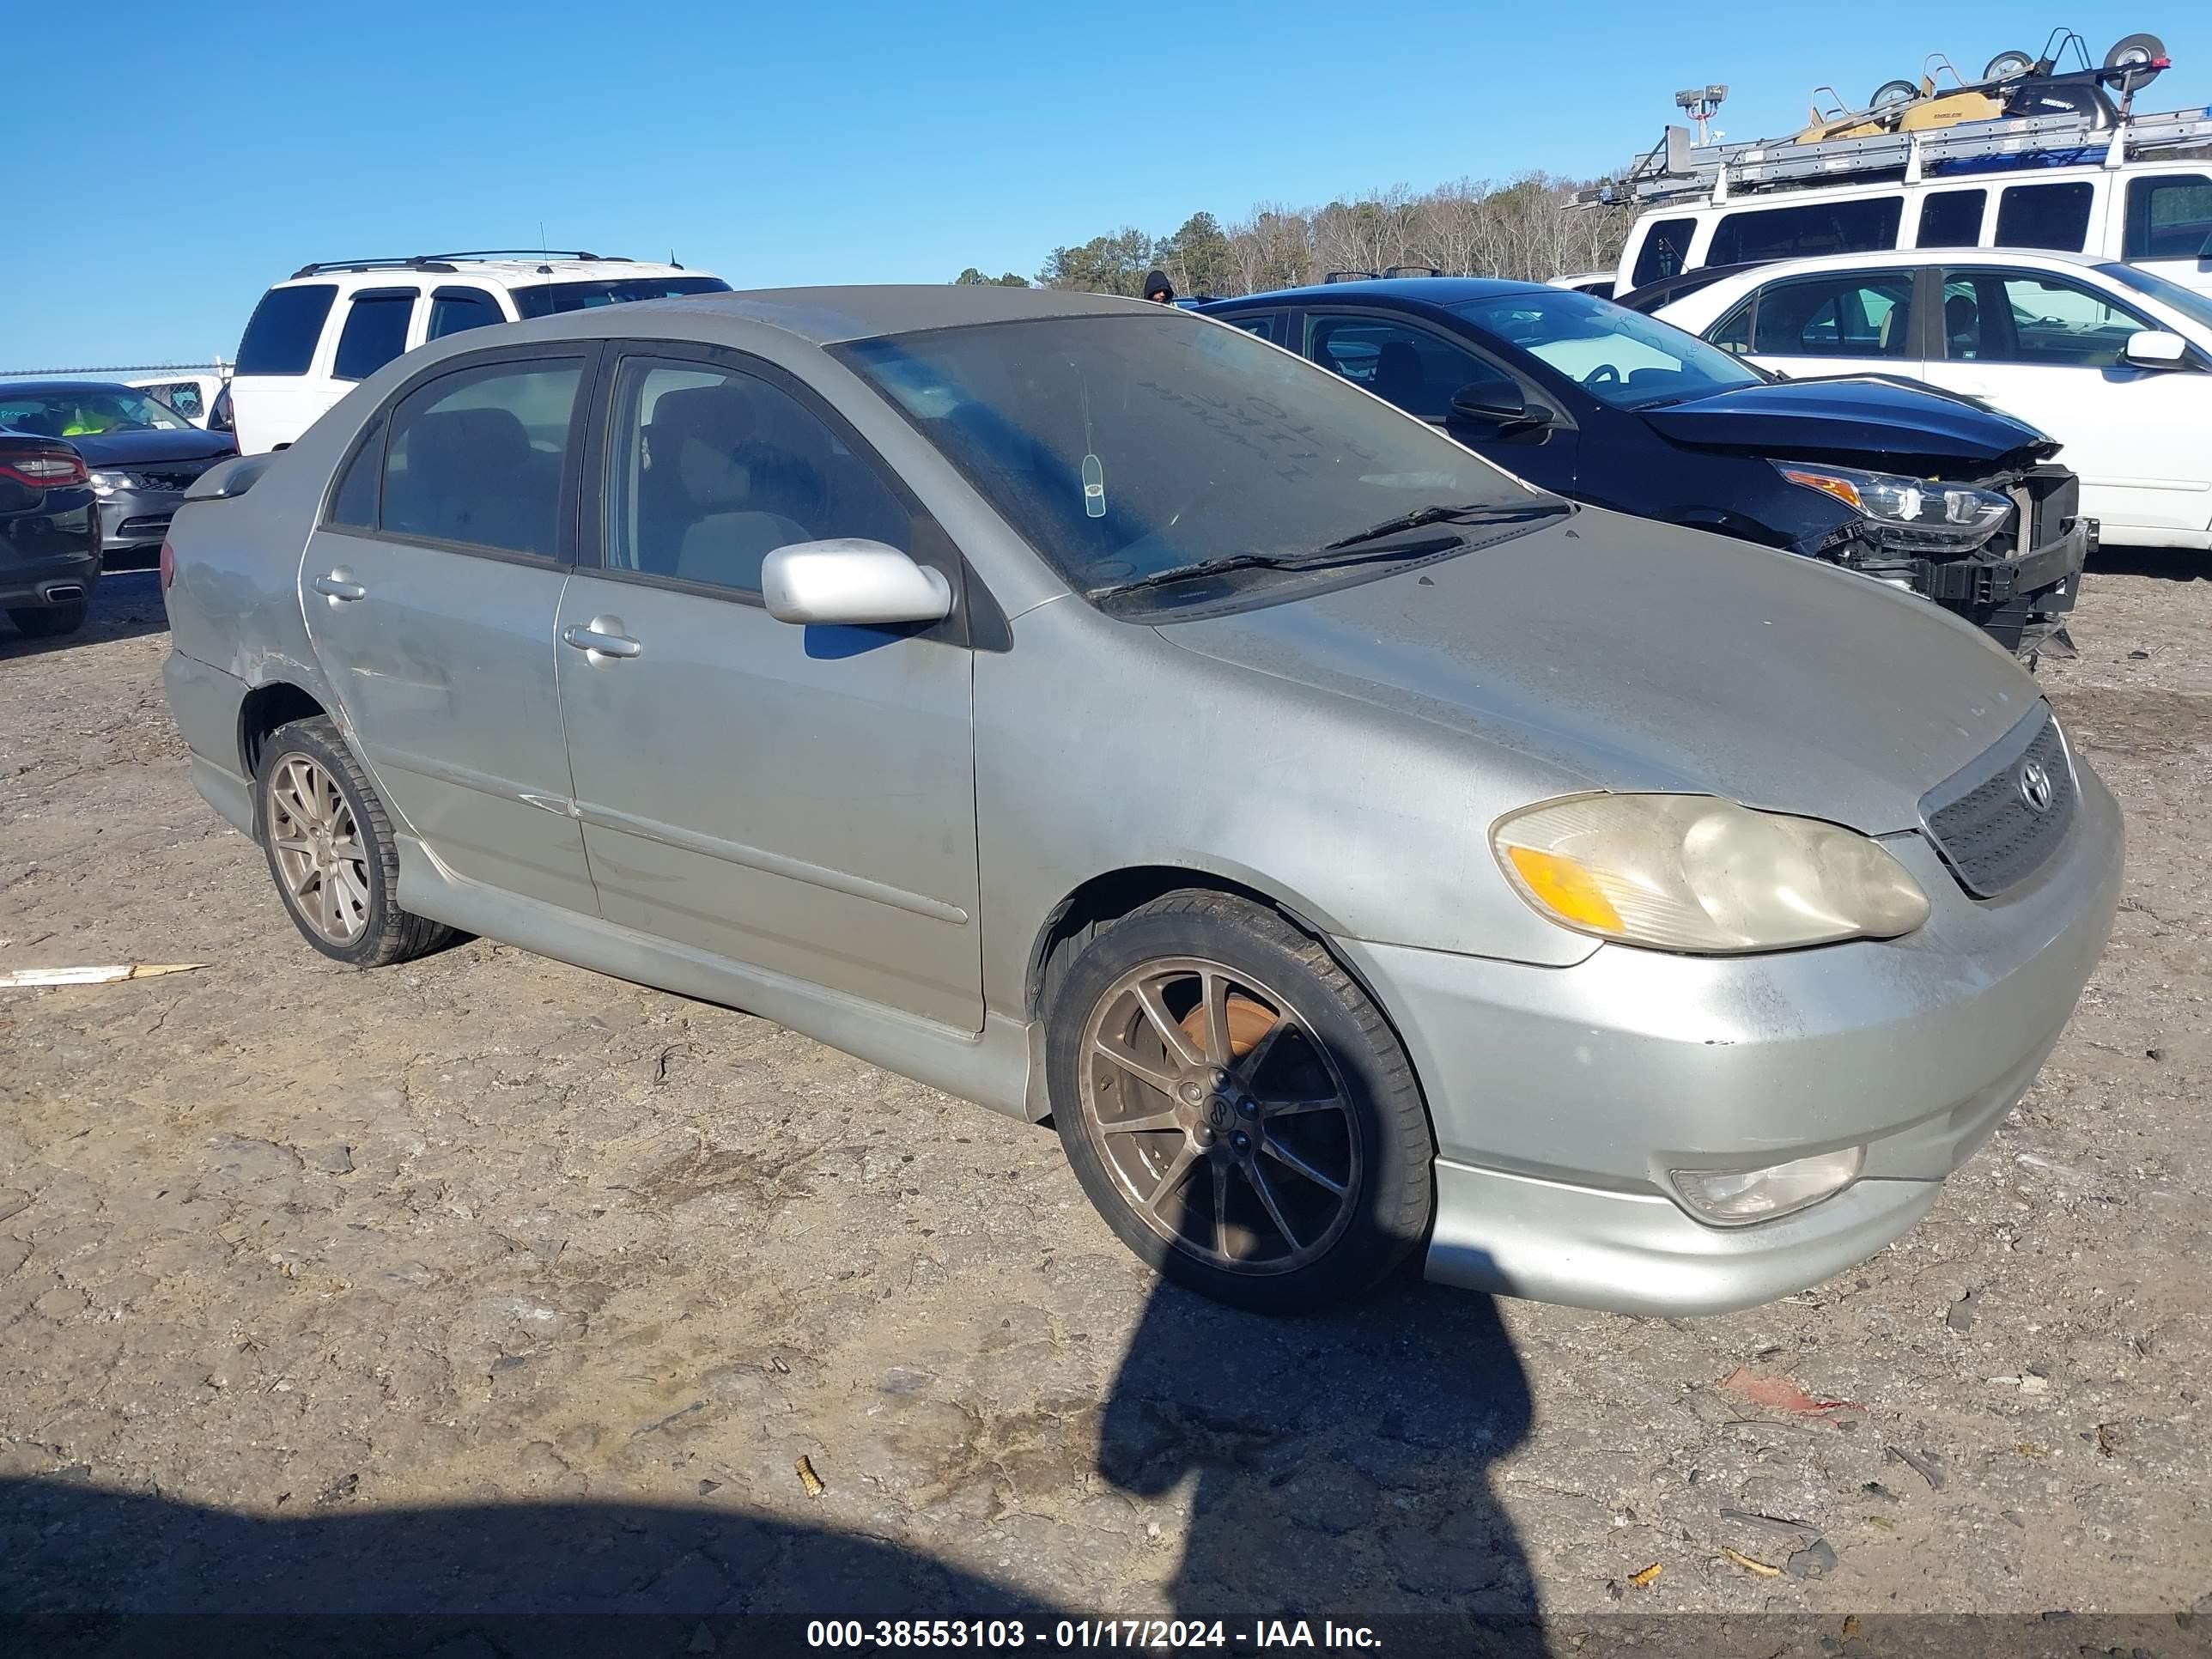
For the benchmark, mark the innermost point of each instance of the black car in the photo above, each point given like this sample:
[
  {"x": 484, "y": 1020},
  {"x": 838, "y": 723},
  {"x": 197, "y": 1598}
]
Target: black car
[
  {"x": 140, "y": 453},
  {"x": 49, "y": 535},
  {"x": 1927, "y": 491}
]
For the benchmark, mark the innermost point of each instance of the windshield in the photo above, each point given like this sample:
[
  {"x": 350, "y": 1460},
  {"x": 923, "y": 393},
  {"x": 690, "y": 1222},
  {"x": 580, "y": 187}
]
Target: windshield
[
  {"x": 1620, "y": 357},
  {"x": 86, "y": 411},
  {"x": 2192, "y": 303},
  {"x": 1120, "y": 447},
  {"x": 548, "y": 298}
]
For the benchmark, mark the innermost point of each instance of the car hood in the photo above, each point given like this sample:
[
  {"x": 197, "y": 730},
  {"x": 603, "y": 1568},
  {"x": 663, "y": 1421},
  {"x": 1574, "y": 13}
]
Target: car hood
[
  {"x": 144, "y": 448},
  {"x": 1861, "y": 417},
  {"x": 1621, "y": 654}
]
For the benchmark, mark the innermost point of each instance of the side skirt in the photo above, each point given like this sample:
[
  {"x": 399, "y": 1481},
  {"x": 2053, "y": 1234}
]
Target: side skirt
[{"x": 991, "y": 1068}]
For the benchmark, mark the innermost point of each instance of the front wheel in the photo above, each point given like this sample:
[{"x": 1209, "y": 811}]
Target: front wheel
[
  {"x": 330, "y": 850},
  {"x": 1236, "y": 1107}
]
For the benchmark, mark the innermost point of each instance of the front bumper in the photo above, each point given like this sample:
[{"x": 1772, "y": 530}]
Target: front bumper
[
  {"x": 1561, "y": 1096},
  {"x": 132, "y": 520}
]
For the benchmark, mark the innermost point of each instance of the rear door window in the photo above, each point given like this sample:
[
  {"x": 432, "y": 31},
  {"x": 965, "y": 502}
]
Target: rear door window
[
  {"x": 1951, "y": 218},
  {"x": 1665, "y": 253},
  {"x": 2169, "y": 218},
  {"x": 282, "y": 336},
  {"x": 1862, "y": 226},
  {"x": 479, "y": 456},
  {"x": 453, "y": 309},
  {"x": 1864, "y": 314},
  {"x": 2045, "y": 215},
  {"x": 375, "y": 333}
]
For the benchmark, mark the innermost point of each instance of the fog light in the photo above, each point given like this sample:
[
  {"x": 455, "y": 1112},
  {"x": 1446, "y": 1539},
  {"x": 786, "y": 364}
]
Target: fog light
[{"x": 1740, "y": 1195}]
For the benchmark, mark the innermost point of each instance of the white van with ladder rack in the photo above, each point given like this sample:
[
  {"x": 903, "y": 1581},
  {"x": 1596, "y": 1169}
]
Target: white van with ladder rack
[{"x": 2032, "y": 156}]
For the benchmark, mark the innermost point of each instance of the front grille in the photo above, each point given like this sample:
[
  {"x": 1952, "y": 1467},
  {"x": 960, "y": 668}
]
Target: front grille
[
  {"x": 1998, "y": 820},
  {"x": 147, "y": 527},
  {"x": 170, "y": 476}
]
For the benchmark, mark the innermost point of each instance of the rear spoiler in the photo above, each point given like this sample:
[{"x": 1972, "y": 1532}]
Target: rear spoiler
[{"x": 225, "y": 479}]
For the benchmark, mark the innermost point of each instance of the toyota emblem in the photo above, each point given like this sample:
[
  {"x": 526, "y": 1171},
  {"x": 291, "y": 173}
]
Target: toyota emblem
[{"x": 2035, "y": 786}]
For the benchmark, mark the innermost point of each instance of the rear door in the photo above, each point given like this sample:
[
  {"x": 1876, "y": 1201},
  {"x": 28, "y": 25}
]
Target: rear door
[
  {"x": 799, "y": 799},
  {"x": 2048, "y": 348},
  {"x": 430, "y": 590},
  {"x": 1857, "y": 322}
]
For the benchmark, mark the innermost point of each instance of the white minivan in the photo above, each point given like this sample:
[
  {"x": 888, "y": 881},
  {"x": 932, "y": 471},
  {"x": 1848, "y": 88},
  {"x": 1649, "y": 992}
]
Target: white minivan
[{"x": 318, "y": 334}]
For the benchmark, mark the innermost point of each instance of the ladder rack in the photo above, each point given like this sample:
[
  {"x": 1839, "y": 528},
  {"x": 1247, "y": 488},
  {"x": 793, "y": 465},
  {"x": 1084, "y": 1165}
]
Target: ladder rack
[{"x": 1675, "y": 168}]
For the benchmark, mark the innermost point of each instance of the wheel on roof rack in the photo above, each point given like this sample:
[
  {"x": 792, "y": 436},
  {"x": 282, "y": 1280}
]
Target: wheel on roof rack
[
  {"x": 1893, "y": 92},
  {"x": 2140, "y": 54},
  {"x": 2006, "y": 64}
]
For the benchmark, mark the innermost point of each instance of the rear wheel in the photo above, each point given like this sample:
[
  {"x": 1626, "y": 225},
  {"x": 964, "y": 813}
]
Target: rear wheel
[
  {"x": 48, "y": 622},
  {"x": 1894, "y": 92},
  {"x": 1235, "y": 1106},
  {"x": 330, "y": 850}
]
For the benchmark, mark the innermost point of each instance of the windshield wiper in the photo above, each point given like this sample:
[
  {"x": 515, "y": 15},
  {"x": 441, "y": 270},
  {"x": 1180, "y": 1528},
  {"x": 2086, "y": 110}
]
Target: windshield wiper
[
  {"x": 1467, "y": 513},
  {"x": 1339, "y": 553}
]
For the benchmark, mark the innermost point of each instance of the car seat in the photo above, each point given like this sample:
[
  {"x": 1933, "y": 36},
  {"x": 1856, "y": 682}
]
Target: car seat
[
  {"x": 472, "y": 476},
  {"x": 703, "y": 440},
  {"x": 1962, "y": 325},
  {"x": 1397, "y": 376}
]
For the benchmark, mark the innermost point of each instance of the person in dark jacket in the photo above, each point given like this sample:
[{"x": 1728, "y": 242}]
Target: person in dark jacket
[{"x": 1156, "y": 287}]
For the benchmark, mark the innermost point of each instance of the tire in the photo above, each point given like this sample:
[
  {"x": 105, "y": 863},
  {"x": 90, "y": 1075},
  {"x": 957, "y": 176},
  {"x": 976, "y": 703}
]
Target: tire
[
  {"x": 307, "y": 770},
  {"x": 1300, "y": 1173},
  {"x": 1894, "y": 92},
  {"x": 2133, "y": 49},
  {"x": 2006, "y": 64},
  {"x": 50, "y": 622}
]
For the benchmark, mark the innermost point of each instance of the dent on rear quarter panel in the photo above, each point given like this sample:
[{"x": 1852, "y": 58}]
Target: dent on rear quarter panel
[{"x": 235, "y": 602}]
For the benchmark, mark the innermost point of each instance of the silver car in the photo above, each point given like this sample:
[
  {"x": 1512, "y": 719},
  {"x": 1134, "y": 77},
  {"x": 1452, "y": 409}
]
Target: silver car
[{"x": 1086, "y": 708}]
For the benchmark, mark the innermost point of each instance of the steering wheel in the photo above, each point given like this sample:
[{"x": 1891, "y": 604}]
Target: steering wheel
[{"x": 1603, "y": 374}]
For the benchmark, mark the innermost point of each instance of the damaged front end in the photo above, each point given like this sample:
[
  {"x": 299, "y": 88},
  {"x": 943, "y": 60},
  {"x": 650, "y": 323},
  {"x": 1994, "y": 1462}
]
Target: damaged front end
[{"x": 2003, "y": 548}]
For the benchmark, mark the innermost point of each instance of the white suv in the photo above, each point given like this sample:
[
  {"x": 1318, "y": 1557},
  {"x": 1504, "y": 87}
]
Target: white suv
[{"x": 328, "y": 326}]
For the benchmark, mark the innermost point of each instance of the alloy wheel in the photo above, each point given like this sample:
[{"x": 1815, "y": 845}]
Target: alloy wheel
[
  {"x": 319, "y": 854},
  {"x": 1226, "y": 1124}
]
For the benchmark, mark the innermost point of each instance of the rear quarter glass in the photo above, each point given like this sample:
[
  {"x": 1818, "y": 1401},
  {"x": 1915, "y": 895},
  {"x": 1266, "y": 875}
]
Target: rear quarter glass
[{"x": 282, "y": 336}]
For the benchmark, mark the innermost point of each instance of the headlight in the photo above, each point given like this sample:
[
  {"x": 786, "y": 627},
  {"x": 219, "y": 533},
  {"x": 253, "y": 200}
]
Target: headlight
[
  {"x": 106, "y": 483},
  {"x": 1699, "y": 874},
  {"x": 1912, "y": 513}
]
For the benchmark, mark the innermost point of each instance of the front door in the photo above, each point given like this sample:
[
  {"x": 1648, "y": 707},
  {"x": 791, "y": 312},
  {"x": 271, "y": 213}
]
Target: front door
[
  {"x": 1421, "y": 371},
  {"x": 2052, "y": 350},
  {"x": 430, "y": 590},
  {"x": 798, "y": 800}
]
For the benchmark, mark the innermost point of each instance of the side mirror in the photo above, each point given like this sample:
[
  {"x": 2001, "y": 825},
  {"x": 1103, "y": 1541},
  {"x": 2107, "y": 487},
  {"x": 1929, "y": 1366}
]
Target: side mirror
[
  {"x": 859, "y": 584},
  {"x": 2154, "y": 348},
  {"x": 1493, "y": 403}
]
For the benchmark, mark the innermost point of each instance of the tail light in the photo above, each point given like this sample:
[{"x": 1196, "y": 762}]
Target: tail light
[
  {"x": 44, "y": 472},
  {"x": 168, "y": 564}
]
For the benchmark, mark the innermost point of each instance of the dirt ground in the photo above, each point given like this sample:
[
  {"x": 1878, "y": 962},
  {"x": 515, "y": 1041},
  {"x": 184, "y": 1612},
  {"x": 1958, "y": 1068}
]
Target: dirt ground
[{"x": 299, "y": 1264}]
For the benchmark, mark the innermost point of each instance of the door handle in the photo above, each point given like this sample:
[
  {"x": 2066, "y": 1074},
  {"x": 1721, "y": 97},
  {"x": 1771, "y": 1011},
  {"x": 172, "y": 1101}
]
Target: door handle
[
  {"x": 603, "y": 638},
  {"x": 335, "y": 587}
]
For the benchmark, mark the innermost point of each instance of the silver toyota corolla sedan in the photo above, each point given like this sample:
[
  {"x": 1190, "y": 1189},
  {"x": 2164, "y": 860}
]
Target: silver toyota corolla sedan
[{"x": 1085, "y": 707}]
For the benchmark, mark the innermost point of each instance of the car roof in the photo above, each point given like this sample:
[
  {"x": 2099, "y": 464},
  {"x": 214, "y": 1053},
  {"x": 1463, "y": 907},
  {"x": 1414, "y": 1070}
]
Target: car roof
[
  {"x": 1918, "y": 256},
  {"x": 1429, "y": 290},
  {"x": 17, "y": 388},
  {"x": 824, "y": 316}
]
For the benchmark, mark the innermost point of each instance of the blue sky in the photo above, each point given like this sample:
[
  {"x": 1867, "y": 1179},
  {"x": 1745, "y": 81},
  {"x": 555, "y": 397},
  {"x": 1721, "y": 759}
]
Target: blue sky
[{"x": 826, "y": 142}]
